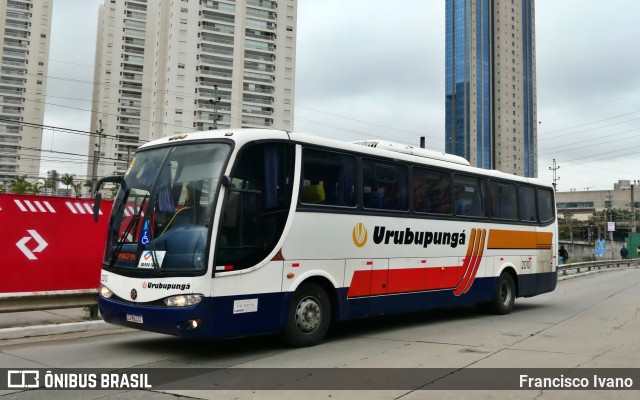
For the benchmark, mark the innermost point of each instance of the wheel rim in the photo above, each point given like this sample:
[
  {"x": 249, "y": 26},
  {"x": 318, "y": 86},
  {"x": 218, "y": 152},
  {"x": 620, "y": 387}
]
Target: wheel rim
[
  {"x": 308, "y": 314},
  {"x": 505, "y": 293}
]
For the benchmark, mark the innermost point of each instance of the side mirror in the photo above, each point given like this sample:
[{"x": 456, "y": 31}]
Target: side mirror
[
  {"x": 96, "y": 207},
  {"x": 225, "y": 180},
  {"x": 96, "y": 191}
]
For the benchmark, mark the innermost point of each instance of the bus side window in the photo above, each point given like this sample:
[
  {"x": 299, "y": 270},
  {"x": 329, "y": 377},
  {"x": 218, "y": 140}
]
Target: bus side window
[
  {"x": 431, "y": 191},
  {"x": 328, "y": 178},
  {"x": 388, "y": 181},
  {"x": 469, "y": 196},
  {"x": 527, "y": 204},
  {"x": 504, "y": 200}
]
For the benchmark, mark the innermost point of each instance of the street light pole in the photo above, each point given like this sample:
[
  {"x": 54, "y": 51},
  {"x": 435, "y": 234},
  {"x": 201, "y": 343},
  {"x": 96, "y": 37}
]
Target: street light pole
[{"x": 96, "y": 155}]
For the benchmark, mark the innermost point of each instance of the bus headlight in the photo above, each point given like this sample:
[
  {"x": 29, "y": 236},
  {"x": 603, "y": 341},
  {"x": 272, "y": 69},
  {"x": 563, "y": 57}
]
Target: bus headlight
[
  {"x": 183, "y": 300},
  {"x": 105, "y": 292}
]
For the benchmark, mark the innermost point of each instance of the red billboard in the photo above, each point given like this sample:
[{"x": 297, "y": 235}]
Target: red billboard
[{"x": 50, "y": 243}]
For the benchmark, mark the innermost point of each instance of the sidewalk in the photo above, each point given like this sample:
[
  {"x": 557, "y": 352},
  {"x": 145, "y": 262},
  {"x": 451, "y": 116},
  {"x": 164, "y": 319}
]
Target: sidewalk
[{"x": 15, "y": 325}]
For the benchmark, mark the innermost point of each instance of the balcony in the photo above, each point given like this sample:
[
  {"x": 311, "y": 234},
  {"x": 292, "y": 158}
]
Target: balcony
[
  {"x": 18, "y": 5},
  {"x": 11, "y": 61},
  {"x": 23, "y": 26},
  {"x": 218, "y": 50},
  {"x": 14, "y": 53},
  {"x": 16, "y": 43},
  {"x": 215, "y": 27},
  {"x": 133, "y": 59},
  {"x": 133, "y": 50},
  {"x": 256, "y": 110},
  {"x": 207, "y": 93},
  {"x": 130, "y": 103},
  {"x": 215, "y": 5},
  {"x": 132, "y": 77},
  {"x": 214, "y": 16},
  {"x": 12, "y": 81},
  {"x": 255, "y": 88},
  {"x": 207, "y": 59},
  {"x": 11, "y": 100},
  {"x": 254, "y": 33},
  {"x": 249, "y": 98},
  {"x": 255, "y": 55},
  {"x": 18, "y": 14},
  {"x": 130, "y": 95},
  {"x": 131, "y": 67},
  {"x": 217, "y": 39},
  {"x": 253, "y": 12},
  {"x": 264, "y": 46},
  {"x": 211, "y": 82},
  {"x": 258, "y": 121},
  {"x": 268, "y": 68},
  {"x": 12, "y": 33},
  {"x": 259, "y": 24},
  {"x": 129, "y": 121},
  {"x": 134, "y": 41},
  {"x": 263, "y": 3},
  {"x": 254, "y": 76}
]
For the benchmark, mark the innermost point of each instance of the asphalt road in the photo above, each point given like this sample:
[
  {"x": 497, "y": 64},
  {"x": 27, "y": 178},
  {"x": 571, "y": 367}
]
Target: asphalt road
[{"x": 588, "y": 322}]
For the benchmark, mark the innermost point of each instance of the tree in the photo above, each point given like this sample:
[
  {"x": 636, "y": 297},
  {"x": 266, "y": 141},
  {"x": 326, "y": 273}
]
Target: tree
[
  {"x": 49, "y": 183},
  {"x": 89, "y": 185},
  {"x": 67, "y": 180},
  {"x": 36, "y": 188},
  {"x": 77, "y": 188},
  {"x": 19, "y": 185}
]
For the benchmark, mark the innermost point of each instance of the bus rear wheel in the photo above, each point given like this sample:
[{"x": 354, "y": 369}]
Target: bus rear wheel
[
  {"x": 308, "y": 317},
  {"x": 505, "y": 295}
]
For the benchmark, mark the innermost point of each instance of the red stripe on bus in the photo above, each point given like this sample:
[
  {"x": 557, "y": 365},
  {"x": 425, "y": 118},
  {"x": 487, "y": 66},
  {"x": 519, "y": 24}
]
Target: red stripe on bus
[
  {"x": 472, "y": 276},
  {"x": 405, "y": 280},
  {"x": 470, "y": 260}
]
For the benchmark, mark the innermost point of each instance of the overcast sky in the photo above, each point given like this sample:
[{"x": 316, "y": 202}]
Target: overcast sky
[{"x": 374, "y": 69}]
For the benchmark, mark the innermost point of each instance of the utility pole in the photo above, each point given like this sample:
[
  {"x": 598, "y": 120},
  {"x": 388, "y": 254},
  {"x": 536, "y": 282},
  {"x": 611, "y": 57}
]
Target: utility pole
[
  {"x": 215, "y": 101},
  {"x": 96, "y": 155},
  {"x": 555, "y": 178},
  {"x": 633, "y": 210}
]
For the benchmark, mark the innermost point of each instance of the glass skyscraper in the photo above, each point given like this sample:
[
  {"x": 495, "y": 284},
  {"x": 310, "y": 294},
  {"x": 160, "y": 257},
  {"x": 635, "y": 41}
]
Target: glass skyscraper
[{"x": 490, "y": 84}]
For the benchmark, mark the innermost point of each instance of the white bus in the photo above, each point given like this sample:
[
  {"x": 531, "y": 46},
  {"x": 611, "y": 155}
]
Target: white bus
[{"x": 232, "y": 233}]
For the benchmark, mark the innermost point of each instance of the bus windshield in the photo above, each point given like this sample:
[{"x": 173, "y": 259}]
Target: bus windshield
[{"x": 162, "y": 213}]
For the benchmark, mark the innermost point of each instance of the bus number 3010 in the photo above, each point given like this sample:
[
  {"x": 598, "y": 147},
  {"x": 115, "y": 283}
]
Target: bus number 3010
[{"x": 526, "y": 264}]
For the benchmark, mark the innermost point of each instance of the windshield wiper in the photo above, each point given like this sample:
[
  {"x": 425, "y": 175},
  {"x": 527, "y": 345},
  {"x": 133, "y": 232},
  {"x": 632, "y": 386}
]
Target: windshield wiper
[{"x": 134, "y": 221}]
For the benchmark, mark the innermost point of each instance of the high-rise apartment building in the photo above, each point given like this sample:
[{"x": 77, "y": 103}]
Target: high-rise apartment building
[
  {"x": 491, "y": 84},
  {"x": 25, "y": 30},
  {"x": 173, "y": 66}
]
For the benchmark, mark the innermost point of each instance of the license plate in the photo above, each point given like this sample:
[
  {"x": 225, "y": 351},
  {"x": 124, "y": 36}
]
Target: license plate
[{"x": 134, "y": 318}]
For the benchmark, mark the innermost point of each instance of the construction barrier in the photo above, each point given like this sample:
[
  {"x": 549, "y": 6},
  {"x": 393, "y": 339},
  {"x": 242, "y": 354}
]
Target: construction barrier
[{"x": 50, "y": 245}]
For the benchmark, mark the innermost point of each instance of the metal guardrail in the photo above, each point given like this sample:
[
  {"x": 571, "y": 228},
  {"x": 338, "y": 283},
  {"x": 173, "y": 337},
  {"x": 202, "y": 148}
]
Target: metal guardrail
[
  {"x": 589, "y": 265},
  {"x": 12, "y": 302}
]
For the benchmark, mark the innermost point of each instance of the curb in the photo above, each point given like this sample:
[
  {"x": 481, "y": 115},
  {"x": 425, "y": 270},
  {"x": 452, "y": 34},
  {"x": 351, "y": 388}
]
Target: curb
[{"x": 45, "y": 330}]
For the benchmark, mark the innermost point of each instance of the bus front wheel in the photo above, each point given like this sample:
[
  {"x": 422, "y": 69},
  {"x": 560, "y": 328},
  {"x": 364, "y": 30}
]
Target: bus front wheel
[
  {"x": 308, "y": 317},
  {"x": 505, "y": 295}
]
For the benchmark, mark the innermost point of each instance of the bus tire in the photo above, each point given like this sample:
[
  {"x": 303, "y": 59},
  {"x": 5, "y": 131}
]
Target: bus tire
[
  {"x": 309, "y": 316},
  {"x": 505, "y": 295}
]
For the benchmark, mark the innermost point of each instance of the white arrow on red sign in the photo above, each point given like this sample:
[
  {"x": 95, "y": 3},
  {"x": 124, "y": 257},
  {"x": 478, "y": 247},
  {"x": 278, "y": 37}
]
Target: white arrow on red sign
[{"x": 22, "y": 244}]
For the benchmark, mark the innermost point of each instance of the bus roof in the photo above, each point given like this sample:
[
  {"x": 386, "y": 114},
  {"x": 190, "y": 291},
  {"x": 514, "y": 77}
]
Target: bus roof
[{"x": 372, "y": 147}]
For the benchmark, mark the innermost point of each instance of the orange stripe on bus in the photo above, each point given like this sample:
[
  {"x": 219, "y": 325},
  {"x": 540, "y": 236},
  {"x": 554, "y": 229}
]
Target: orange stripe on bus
[{"x": 505, "y": 239}]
